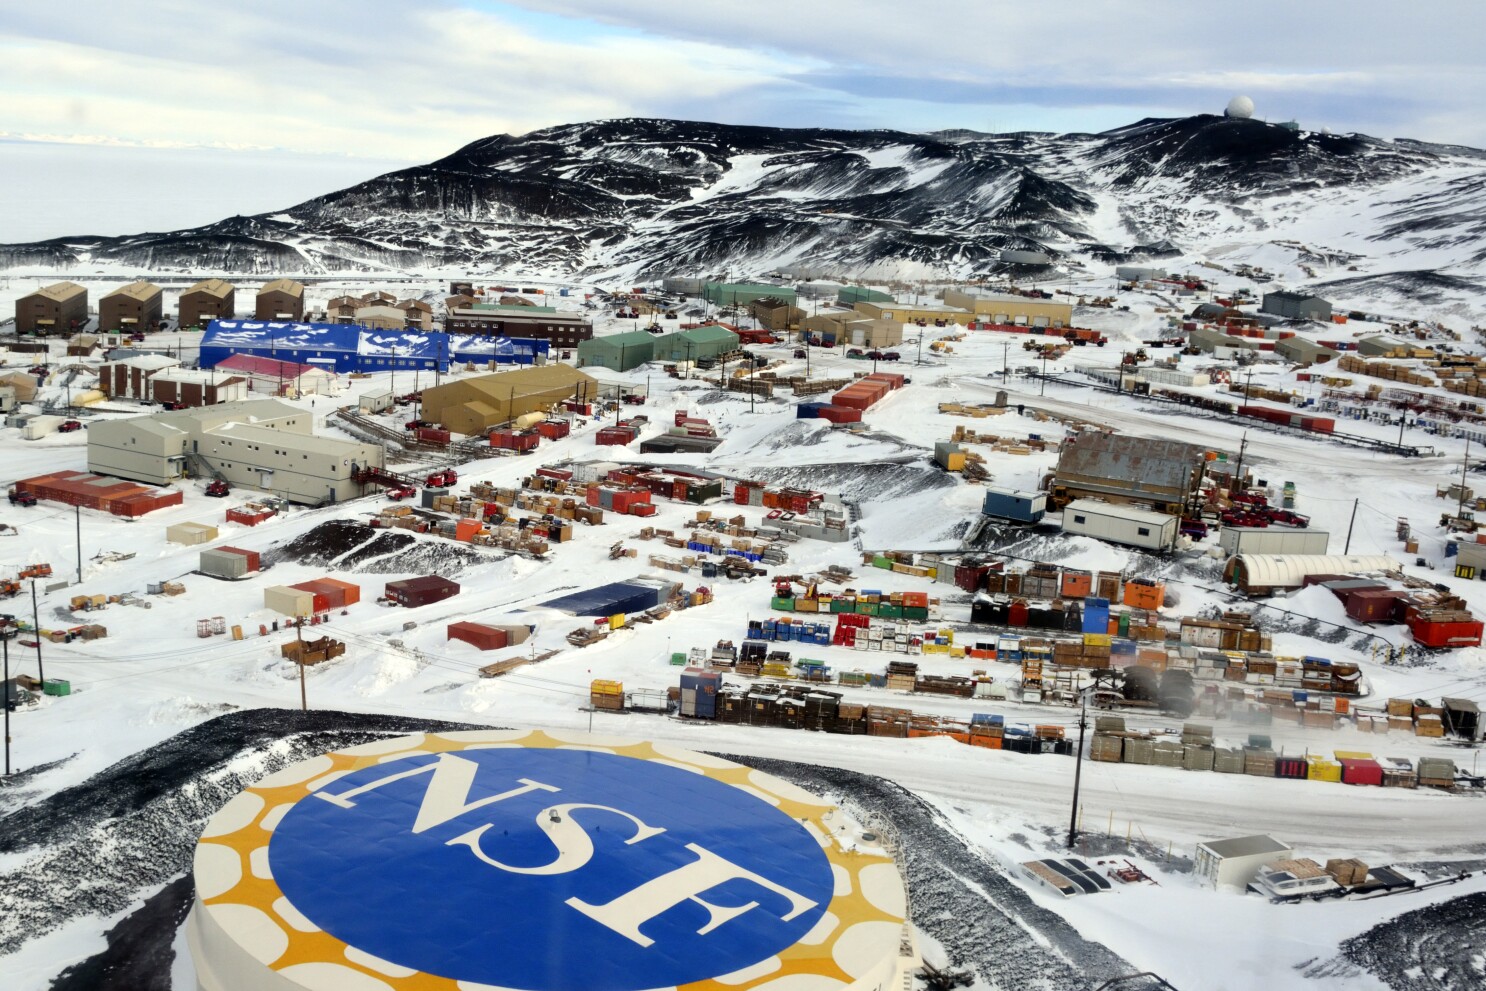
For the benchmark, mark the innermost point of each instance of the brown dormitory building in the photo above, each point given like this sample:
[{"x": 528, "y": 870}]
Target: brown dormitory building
[
  {"x": 59, "y": 308},
  {"x": 137, "y": 306},
  {"x": 207, "y": 300},
  {"x": 564, "y": 330},
  {"x": 281, "y": 299}
]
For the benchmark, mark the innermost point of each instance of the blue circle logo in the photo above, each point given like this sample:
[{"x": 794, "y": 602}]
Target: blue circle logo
[{"x": 551, "y": 870}]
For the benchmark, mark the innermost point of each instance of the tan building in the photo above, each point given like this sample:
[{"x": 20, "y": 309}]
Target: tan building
[
  {"x": 851, "y": 329},
  {"x": 256, "y": 443},
  {"x": 137, "y": 306},
  {"x": 776, "y": 314},
  {"x": 207, "y": 300},
  {"x": 380, "y": 316},
  {"x": 281, "y": 299},
  {"x": 474, "y": 405},
  {"x": 1016, "y": 310},
  {"x": 59, "y": 308},
  {"x": 923, "y": 316}
]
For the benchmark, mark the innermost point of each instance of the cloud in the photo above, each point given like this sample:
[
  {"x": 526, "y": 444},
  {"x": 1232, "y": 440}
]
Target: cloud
[{"x": 391, "y": 80}]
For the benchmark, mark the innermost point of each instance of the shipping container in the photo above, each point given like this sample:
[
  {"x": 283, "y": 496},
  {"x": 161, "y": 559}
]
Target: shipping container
[
  {"x": 1120, "y": 524},
  {"x": 479, "y": 636},
  {"x": 223, "y": 563},
  {"x": 289, "y": 601},
  {"x": 413, "y": 592},
  {"x": 254, "y": 562},
  {"x": 190, "y": 533}
]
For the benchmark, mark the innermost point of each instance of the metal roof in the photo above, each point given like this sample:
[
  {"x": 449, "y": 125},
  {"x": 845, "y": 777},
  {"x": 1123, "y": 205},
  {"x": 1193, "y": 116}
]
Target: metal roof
[
  {"x": 1094, "y": 507},
  {"x": 1290, "y": 296},
  {"x": 212, "y": 287},
  {"x": 1144, "y": 462},
  {"x": 60, "y": 291},
  {"x": 141, "y": 290},
  {"x": 1245, "y": 846},
  {"x": 283, "y": 285}
]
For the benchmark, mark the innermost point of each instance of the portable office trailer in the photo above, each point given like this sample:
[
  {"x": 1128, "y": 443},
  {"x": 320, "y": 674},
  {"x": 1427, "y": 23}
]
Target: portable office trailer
[
  {"x": 1120, "y": 524},
  {"x": 1012, "y": 504},
  {"x": 1273, "y": 540}
]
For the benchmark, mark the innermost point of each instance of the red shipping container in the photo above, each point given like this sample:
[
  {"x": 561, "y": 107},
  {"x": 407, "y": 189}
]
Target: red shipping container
[
  {"x": 840, "y": 414},
  {"x": 1016, "y": 615},
  {"x": 253, "y": 561},
  {"x": 1374, "y": 605},
  {"x": 482, "y": 637},
  {"x": 248, "y": 517},
  {"x": 642, "y": 509},
  {"x": 1361, "y": 772},
  {"x": 1446, "y": 634},
  {"x": 321, "y": 600},
  {"x": 431, "y": 435},
  {"x": 558, "y": 473},
  {"x": 555, "y": 430}
]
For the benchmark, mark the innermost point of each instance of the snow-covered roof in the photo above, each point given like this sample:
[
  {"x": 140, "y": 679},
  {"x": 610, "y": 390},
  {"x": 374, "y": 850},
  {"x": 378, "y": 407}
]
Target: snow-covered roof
[
  {"x": 285, "y": 334},
  {"x": 1291, "y": 570},
  {"x": 402, "y": 343},
  {"x": 1246, "y": 846}
]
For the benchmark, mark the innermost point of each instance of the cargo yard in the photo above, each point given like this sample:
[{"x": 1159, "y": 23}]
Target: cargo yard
[{"x": 1230, "y": 599}]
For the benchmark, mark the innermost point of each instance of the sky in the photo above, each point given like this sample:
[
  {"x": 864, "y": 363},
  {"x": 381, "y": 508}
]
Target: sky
[{"x": 160, "y": 114}]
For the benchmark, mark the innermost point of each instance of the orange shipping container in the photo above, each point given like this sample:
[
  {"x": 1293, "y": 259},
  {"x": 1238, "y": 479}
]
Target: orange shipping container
[
  {"x": 1077, "y": 584},
  {"x": 989, "y": 742},
  {"x": 465, "y": 530}
]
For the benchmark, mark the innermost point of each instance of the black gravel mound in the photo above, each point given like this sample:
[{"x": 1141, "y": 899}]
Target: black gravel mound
[
  {"x": 346, "y": 545},
  {"x": 1439, "y": 948}
]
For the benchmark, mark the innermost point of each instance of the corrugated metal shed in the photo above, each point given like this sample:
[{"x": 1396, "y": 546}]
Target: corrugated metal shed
[{"x": 1126, "y": 465}]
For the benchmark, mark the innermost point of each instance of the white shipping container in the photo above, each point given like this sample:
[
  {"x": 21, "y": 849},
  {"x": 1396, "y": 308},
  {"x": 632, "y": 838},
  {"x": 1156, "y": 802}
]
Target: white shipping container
[
  {"x": 1120, "y": 524},
  {"x": 41, "y": 426},
  {"x": 1273, "y": 540}
]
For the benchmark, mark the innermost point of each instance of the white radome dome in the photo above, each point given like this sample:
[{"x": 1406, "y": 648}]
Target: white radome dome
[{"x": 1240, "y": 106}]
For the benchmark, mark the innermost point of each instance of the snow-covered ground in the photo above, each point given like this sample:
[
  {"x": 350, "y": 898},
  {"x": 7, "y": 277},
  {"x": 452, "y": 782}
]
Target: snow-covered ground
[{"x": 153, "y": 678}]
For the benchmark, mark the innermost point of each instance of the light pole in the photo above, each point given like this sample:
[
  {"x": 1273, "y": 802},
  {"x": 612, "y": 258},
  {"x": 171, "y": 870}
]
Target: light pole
[
  {"x": 1078, "y": 767},
  {"x": 6, "y": 632}
]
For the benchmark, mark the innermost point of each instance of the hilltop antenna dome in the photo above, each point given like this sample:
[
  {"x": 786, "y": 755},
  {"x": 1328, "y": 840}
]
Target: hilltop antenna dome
[{"x": 1241, "y": 107}]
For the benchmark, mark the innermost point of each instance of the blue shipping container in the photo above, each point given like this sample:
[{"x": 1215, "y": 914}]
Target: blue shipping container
[{"x": 1023, "y": 507}]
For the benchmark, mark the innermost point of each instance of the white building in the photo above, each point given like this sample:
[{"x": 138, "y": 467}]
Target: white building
[
  {"x": 1236, "y": 862},
  {"x": 260, "y": 443},
  {"x": 1120, "y": 524}
]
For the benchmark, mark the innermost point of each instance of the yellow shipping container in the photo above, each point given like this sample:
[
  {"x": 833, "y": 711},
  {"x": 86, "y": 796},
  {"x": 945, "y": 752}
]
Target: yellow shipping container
[
  {"x": 955, "y": 461},
  {"x": 616, "y": 621},
  {"x": 1096, "y": 639},
  {"x": 957, "y": 652},
  {"x": 1322, "y": 769},
  {"x": 601, "y": 686},
  {"x": 1351, "y": 755}
]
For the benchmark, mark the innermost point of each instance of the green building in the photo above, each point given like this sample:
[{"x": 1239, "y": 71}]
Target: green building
[
  {"x": 861, "y": 294},
  {"x": 695, "y": 344},
  {"x": 743, "y": 293},
  {"x": 619, "y": 352}
]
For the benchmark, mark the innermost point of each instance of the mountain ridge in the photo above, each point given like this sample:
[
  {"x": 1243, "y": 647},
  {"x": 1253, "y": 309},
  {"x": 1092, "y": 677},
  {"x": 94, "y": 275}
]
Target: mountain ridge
[{"x": 640, "y": 197}]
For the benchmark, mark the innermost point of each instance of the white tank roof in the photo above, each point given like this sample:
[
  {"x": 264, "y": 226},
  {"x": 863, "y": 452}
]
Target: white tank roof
[{"x": 1291, "y": 570}]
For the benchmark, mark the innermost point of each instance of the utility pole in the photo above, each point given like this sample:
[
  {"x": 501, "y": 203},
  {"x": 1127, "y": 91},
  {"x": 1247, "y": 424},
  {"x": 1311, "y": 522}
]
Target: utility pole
[
  {"x": 1464, "y": 464},
  {"x": 6, "y": 632},
  {"x": 1243, "y": 445},
  {"x": 1005, "y": 361},
  {"x": 1348, "y": 548},
  {"x": 36, "y": 626},
  {"x": 1078, "y": 767},
  {"x": 304, "y": 704},
  {"x": 1042, "y": 383},
  {"x": 77, "y": 512}
]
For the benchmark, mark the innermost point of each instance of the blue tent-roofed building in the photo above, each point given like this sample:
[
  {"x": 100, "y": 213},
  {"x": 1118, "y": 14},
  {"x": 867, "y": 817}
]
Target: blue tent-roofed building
[
  {"x": 482, "y": 349},
  {"x": 282, "y": 341},
  {"x": 386, "y": 350}
]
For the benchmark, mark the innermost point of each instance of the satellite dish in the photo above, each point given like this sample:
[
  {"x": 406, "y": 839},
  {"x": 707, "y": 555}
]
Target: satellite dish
[
  {"x": 1325, "y": 130},
  {"x": 1241, "y": 107}
]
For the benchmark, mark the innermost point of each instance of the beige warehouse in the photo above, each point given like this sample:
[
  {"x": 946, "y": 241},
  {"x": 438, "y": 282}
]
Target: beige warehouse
[
  {"x": 474, "y": 405},
  {"x": 851, "y": 328},
  {"x": 1007, "y": 309}
]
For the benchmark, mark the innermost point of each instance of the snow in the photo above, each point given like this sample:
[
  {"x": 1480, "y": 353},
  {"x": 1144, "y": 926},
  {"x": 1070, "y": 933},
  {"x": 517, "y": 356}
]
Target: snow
[{"x": 152, "y": 677}]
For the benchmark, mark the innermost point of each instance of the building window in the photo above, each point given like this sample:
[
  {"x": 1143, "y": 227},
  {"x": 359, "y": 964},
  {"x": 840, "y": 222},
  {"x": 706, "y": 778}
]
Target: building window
[
  {"x": 1078, "y": 519},
  {"x": 1143, "y": 531}
]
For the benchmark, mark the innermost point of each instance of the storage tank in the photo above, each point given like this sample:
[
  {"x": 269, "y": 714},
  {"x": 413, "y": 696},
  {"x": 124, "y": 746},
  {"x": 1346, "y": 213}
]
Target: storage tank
[
  {"x": 528, "y": 420},
  {"x": 90, "y": 398},
  {"x": 386, "y": 858}
]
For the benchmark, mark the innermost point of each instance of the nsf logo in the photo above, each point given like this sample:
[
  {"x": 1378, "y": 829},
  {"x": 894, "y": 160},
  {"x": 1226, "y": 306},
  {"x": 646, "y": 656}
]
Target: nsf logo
[{"x": 551, "y": 870}]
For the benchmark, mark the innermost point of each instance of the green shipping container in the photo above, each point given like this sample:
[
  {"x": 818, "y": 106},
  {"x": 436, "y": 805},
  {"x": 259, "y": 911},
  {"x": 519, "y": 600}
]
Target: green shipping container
[
  {"x": 780, "y": 602},
  {"x": 915, "y": 612},
  {"x": 843, "y": 605},
  {"x": 889, "y": 611},
  {"x": 678, "y": 659},
  {"x": 1124, "y": 624},
  {"x": 885, "y": 563},
  {"x": 866, "y": 608},
  {"x": 56, "y": 686}
]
